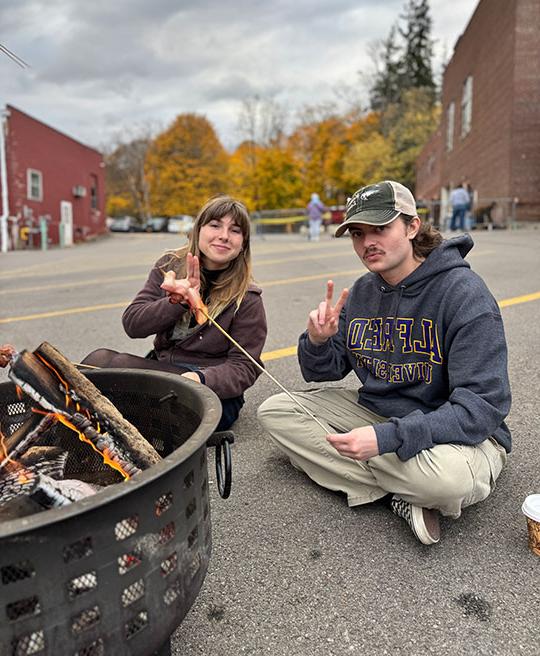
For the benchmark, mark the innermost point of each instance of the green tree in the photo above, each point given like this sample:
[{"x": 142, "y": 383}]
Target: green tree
[
  {"x": 186, "y": 165},
  {"x": 407, "y": 62},
  {"x": 386, "y": 88},
  {"x": 417, "y": 68}
]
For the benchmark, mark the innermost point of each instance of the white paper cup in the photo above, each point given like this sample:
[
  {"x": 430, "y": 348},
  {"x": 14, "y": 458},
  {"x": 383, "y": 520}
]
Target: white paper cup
[{"x": 531, "y": 510}]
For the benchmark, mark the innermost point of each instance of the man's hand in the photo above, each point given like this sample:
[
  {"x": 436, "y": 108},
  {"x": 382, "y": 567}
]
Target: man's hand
[
  {"x": 323, "y": 322},
  {"x": 358, "y": 444}
]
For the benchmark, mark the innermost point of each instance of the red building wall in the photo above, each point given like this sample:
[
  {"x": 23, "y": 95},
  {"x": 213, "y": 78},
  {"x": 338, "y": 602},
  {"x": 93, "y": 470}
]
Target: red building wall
[
  {"x": 64, "y": 164},
  {"x": 486, "y": 51},
  {"x": 500, "y": 156},
  {"x": 525, "y": 147}
]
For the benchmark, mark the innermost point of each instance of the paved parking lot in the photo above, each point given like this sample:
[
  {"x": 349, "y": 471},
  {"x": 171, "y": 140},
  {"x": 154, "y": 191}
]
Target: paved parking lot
[{"x": 294, "y": 571}]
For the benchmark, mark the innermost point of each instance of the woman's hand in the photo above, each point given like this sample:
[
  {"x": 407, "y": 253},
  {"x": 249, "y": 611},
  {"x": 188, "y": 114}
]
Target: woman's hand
[
  {"x": 358, "y": 444},
  {"x": 323, "y": 322},
  {"x": 179, "y": 290},
  {"x": 6, "y": 354},
  {"x": 192, "y": 375}
]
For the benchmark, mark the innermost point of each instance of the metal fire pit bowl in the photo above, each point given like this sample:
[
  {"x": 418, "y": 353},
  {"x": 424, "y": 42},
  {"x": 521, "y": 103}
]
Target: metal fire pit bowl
[{"x": 114, "y": 573}]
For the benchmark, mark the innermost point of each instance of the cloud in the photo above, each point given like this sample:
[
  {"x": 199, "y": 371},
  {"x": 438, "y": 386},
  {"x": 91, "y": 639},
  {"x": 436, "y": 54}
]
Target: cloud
[{"x": 100, "y": 67}]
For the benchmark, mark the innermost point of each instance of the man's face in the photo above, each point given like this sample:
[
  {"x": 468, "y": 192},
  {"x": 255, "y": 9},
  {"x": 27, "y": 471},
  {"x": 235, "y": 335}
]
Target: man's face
[{"x": 386, "y": 250}]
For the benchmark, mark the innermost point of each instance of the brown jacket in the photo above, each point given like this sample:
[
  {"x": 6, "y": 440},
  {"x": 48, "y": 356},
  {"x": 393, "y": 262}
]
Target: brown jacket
[{"x": 227, "y": 371}]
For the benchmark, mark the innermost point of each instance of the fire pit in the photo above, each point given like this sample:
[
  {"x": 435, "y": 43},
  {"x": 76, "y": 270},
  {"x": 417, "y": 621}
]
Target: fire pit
[{"x": 116, "y": 572}]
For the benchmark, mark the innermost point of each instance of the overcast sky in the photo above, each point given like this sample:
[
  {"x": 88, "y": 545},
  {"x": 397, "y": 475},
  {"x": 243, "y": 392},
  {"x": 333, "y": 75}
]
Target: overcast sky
[{"x": 101, "y": 68}]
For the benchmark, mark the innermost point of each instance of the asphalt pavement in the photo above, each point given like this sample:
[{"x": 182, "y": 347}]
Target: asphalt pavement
[{"x": 293, "y": 570}]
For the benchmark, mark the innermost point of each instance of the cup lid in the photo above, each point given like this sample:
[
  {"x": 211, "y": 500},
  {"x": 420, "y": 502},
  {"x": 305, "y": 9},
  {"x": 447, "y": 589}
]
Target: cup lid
[{"x": 531, "y": 507}]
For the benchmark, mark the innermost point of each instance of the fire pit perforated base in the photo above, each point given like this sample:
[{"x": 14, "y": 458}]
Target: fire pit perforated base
[{"x": 116, "y": 572}]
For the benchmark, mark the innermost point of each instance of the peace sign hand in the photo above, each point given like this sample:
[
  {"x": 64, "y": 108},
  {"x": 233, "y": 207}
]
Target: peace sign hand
[
  {"x": 323, "y": 322},
  {"x": 180, "y": 291}
]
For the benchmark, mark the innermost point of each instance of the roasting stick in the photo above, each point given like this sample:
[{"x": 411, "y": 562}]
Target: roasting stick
[{"x": 262, "y": 369}]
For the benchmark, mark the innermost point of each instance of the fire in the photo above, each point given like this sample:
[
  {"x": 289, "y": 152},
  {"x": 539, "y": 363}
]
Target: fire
[
  {"x": 3, "y": 449},
  {"x": 23, "y": 478},
  {"x": 66, "y": 386},
  {"x": 84, "y": 439},
  {"x": 108, "y": 461}
]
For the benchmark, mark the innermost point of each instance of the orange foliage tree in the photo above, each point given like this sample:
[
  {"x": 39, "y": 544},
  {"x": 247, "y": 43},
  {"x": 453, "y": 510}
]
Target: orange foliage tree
[{"x": 185, "y": 166}]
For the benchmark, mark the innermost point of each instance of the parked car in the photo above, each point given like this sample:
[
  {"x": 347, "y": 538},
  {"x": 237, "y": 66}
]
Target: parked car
[
  {"x": 156, "y": 224},
  {"x": 125, "y": 224},
  {"x": 180, "y": 224}
]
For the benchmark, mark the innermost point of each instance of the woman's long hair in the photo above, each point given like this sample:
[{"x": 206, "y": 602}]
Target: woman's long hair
[
  {"x": 426, "y": 240},
  {"x": 233, "y": 282}
]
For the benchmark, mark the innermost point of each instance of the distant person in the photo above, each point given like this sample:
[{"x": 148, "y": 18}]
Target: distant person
[
  {"x": 460, "y": 201},
  {"x": 425, "y": 338},
  {"x": 315, "y": 210},
  {"x": 216, "y": 266},
  {"x": 470, "y": 221}
]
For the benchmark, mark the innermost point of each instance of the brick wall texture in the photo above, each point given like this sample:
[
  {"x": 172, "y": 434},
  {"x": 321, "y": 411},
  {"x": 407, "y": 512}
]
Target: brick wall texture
[{"x": 500, "y": 155}]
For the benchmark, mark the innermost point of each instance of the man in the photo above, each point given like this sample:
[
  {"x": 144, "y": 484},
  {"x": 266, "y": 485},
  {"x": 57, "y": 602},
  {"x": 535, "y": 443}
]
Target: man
[
  {"x": 425, "y": 337},
  {"x": 461, "y": 202}
]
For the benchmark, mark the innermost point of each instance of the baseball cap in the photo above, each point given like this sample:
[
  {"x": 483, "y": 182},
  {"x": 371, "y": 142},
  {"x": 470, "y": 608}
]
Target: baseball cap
[{"x": 378, "y": 204}]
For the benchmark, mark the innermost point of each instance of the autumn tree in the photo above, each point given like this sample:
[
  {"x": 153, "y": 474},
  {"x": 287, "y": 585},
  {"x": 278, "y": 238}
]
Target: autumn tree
[
  {"x": 409, "y": 125},
  {"x": 185, "y": 166},
  {"x": 261, "y": 125},
  {"x": 127, "y": 187},
  {"x": 319, "y": 143}
]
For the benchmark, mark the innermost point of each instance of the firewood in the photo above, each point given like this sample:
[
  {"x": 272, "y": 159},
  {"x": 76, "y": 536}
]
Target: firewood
[{"x": 86, "y": 393}]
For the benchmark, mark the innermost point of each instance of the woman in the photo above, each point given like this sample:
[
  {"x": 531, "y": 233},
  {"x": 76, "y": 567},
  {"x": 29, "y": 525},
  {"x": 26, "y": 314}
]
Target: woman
[{"x": 216, "y": 263}]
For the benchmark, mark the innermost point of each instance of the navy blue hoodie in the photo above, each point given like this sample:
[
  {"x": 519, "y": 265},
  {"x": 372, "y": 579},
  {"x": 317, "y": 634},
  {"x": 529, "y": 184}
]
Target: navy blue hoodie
[{"x": 430, "y": 353}]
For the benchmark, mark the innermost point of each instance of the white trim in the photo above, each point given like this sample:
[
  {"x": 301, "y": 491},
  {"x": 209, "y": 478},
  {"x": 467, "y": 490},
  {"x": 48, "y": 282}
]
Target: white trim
[
  {"x": 3, "y": 181},
  {"x": 450, "y": 119},
  {"x": 466, "y": 106},
  {"x": 29, "y": 173}
]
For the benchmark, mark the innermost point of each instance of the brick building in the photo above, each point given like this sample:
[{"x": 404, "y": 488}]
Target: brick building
[
  {"x": 52, "y": 181},
  {"x": 490, "y": 127}
]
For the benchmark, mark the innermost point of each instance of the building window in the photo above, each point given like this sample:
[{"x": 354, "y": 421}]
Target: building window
[
  {"x": 466, "y": 107},
  {"x": 34, "y": 183},
  {"x": 94, "y": 193},
  {"x": 450, "y": 126}
]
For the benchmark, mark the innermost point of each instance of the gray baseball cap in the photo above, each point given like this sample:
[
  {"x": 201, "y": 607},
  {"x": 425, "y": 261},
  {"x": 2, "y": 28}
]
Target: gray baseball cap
[{"x": 378, "y": 204}]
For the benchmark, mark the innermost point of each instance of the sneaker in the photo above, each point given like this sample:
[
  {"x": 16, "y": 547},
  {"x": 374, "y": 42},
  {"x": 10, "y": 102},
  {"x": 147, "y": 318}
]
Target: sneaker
[{"x": 424, "y": 522}]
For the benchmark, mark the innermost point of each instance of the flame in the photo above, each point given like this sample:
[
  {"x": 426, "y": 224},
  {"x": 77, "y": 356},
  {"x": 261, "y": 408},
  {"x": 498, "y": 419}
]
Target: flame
[
  {"x": 19, "y": 392},
  {"x": 64, "y": 383},
  {"x": 3, "y": 449},
  {"x": 22, "y": 476},
  {"x": 106, "y": 459}
]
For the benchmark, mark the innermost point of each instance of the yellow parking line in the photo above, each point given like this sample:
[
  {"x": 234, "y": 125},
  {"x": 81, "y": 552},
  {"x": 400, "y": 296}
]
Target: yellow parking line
[
  {"x": 519, "y": 299},
  {"x": 60, "y": 313},
  {"x": 291, "y": 350},
  {"x": 271, "y": 355},
  {"x": 278, "y": 353},
  {"x": 318, "y": 276}
]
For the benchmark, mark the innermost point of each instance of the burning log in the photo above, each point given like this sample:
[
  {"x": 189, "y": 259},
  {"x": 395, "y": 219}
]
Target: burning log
[{"x": 57, "y": 385}]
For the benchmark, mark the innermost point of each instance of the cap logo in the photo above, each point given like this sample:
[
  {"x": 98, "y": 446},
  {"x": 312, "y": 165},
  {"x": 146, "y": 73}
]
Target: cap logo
[{"x": 367, "y": 194}]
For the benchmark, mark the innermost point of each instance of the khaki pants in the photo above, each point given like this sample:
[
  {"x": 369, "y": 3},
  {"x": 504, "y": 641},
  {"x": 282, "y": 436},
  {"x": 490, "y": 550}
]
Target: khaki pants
[{"x": 447, "y": 477}]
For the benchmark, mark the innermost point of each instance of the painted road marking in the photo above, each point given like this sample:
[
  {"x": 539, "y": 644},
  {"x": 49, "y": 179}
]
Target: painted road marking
[{"x": 277, "y": 354}]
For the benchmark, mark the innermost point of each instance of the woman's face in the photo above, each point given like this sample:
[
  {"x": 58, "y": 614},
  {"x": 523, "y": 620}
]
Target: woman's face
[{"x": 220, "y": 242}]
